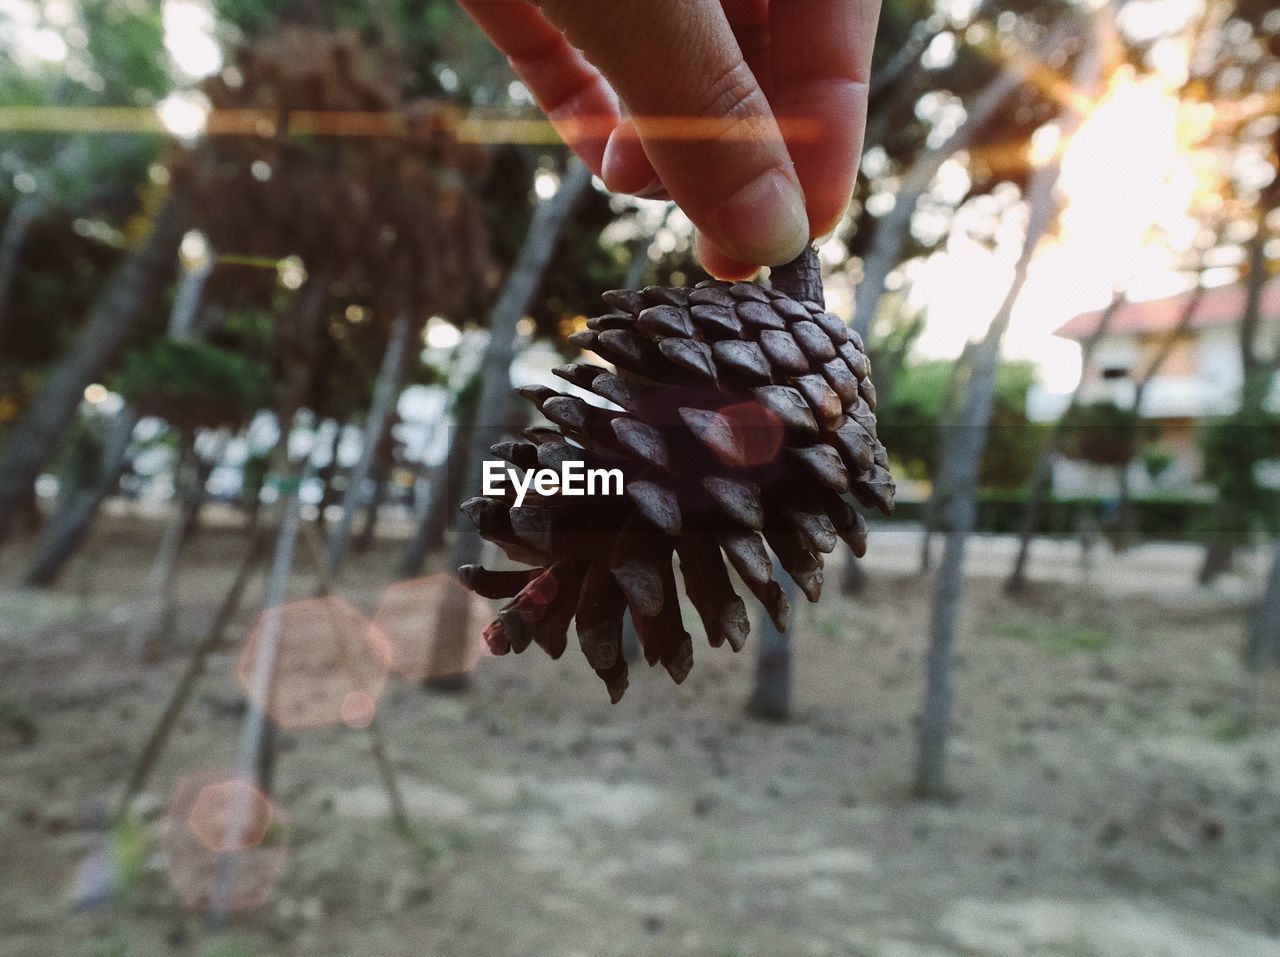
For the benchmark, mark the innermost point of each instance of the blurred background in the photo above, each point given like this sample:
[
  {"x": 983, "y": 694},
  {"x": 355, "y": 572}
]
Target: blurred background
[{"x": 259, "y": 262}]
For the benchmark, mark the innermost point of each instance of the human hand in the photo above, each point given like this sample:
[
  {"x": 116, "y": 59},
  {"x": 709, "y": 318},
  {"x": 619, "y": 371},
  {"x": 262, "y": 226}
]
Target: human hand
[{"x": 748, "y": 113}]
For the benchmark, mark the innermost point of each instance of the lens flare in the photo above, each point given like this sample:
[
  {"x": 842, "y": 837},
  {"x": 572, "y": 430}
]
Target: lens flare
[
  {"x": 201, "y": 849},
  {"x": 433, "y": 626},
  {"x": 328, "y": 652}
]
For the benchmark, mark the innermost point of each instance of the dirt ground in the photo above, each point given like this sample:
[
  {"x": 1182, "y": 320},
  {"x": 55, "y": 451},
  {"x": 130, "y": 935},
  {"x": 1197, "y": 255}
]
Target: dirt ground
[{"x": 1117, "y": 783}]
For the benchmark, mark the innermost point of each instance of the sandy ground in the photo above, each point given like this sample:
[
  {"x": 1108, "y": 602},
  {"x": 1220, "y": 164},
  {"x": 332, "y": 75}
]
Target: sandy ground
[{"x": 1111, "y": 798}]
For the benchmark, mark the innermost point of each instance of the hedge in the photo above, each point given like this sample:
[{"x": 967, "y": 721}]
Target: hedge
[{"x": 1166, "y": 517}]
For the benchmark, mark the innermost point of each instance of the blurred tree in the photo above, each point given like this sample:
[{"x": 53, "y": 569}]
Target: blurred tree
[
  {"x": 965, "y": 437},
  {"x": 550, "y": 216},
  {"x": 134, "y": 288},
  {"x": 1041, "y": 482},
  {"x": 970, "y": 105},
  {"x": 1236, "y": 69},
  {"x": 115, "y": 55}
]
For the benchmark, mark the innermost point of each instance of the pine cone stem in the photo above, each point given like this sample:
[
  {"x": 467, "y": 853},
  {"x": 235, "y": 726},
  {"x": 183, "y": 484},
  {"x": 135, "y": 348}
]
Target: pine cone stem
[{"x": 801, "y": 279}]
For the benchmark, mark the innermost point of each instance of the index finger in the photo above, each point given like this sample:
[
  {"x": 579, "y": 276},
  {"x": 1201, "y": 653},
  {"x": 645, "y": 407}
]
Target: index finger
[
  {"x": 577, "y": 100},
  {"x": 821, "y": 69}
]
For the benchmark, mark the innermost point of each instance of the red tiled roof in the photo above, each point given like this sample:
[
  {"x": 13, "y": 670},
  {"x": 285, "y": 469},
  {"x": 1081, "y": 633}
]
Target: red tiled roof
[{"x": 1221, "y": 306}]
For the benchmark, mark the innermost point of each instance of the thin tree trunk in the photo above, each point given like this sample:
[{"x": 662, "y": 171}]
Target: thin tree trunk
[
  {"x": 254, "y": 731},
  {"x": 632, "y": 649},
  {"x": 22, "y": 214},
  {"x": 936, "y": 507},
  {"x": 187, "y": 299},
  {"x": 69, "y": 526},
  {"x": 381, "y": 406},
  {"x": 1220, "y": 549},
  {"x": 442, "y": 497},
  {"x": 960, "y": 468},
  {"x": 453, "y": 625},
  {"x": 159, "y": 602},
  {"x": 853, "y": 578},
  {"x": 210, "y": 643},
  {"x": 1124, "y": 524},
  {"x": 381, "y": 478},
  {"x": 132, "y": 289},
  {"x": 182, "y": 327},
  {"x": 377, "y": 740},
  {"x": 1264, "y": 635},
  {"x": 771, "y": 697},
  {"x": 1042, "y": 476}
]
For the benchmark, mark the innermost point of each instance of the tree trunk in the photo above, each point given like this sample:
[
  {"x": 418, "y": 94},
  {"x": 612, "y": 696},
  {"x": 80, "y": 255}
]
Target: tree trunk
[
  {"x": 1264, "y": 636},
  {"x": 16, "y": 226},
  {"x": 442, "y": 498},
  {"x": 853, "y": 579},
  {"x": 936, "y": 507},
  {"x": 182, "y": 327},
  {"x": 187, "y": 299},
  {"x": 381, "y": 406},
  {"x": 453, "y": 625},
  {"x": 1042, "y": 477},
  {"x": 381, "y": 478},
  {"x": 209, "y": 643},
  {"x": 959, "y": 469},
  {"x": 132, "y": 289},
  {"x": 771, "y": 697},
  {"x": 253, "y": 761},
  {"x": 1124, "y": 526},
  {"x": 157, "y": 610},
  {"x": 70, "y": 524},
  {"x": 1220, "y": 549}
]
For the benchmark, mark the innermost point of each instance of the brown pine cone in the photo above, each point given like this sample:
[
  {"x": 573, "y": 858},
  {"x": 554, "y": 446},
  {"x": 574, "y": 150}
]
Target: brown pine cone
[{"x": 740, "y": 419}]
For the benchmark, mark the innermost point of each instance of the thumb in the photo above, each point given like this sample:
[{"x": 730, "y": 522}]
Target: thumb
[{"x": 700, "y": 116}]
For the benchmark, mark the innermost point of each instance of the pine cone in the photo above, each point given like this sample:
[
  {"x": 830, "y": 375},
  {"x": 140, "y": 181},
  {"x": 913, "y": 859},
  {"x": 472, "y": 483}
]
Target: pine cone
[{"x": 744, "y": 417}]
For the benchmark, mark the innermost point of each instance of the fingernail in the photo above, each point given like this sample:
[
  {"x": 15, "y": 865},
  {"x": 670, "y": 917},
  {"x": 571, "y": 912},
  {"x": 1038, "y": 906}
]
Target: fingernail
[
  {"x": 652, "y": 191},
  {"x": 765, "y": 221},
  {"x": 623, "y": 168}
]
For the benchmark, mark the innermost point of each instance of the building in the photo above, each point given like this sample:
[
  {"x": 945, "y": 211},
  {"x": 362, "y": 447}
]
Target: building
[{"x": 1199, "y": 380}]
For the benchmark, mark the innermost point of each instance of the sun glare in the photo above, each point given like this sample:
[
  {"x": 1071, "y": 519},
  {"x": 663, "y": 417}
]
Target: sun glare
[{"x": 1129, "y": 182}]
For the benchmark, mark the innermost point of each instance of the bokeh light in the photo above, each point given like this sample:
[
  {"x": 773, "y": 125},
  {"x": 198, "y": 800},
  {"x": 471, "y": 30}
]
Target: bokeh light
[
  {"x": 208, "y": 865},
  {"x": 410, "y": 616},
  {"x": 213, "y": 808},
  {"x": 357, "y": 709},
  {"x": 328, "y": 651}
]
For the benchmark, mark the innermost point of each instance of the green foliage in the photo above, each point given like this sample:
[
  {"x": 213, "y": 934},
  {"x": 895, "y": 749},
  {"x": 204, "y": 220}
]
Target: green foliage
[
  {"x": 192, "y": 384},
  {"x": 1159, "y": 517},
  {"x": 1233, "y": 447},
  {"x": 1157, "y": 462},
  {"x": 128, "y": 857},
  {"x": 910, "y": 422},
  {"x": 1100, "y": 432},
  {"x": 1052, "y": 637},
  {"x": 1225, "y": 727},
  {"x": 78, "y": 461}
]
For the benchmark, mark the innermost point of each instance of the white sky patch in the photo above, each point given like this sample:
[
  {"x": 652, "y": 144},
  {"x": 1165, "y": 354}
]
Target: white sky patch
[
  {"x": 1146, "y": 20},
  {"x": 188, "y": 38}
]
